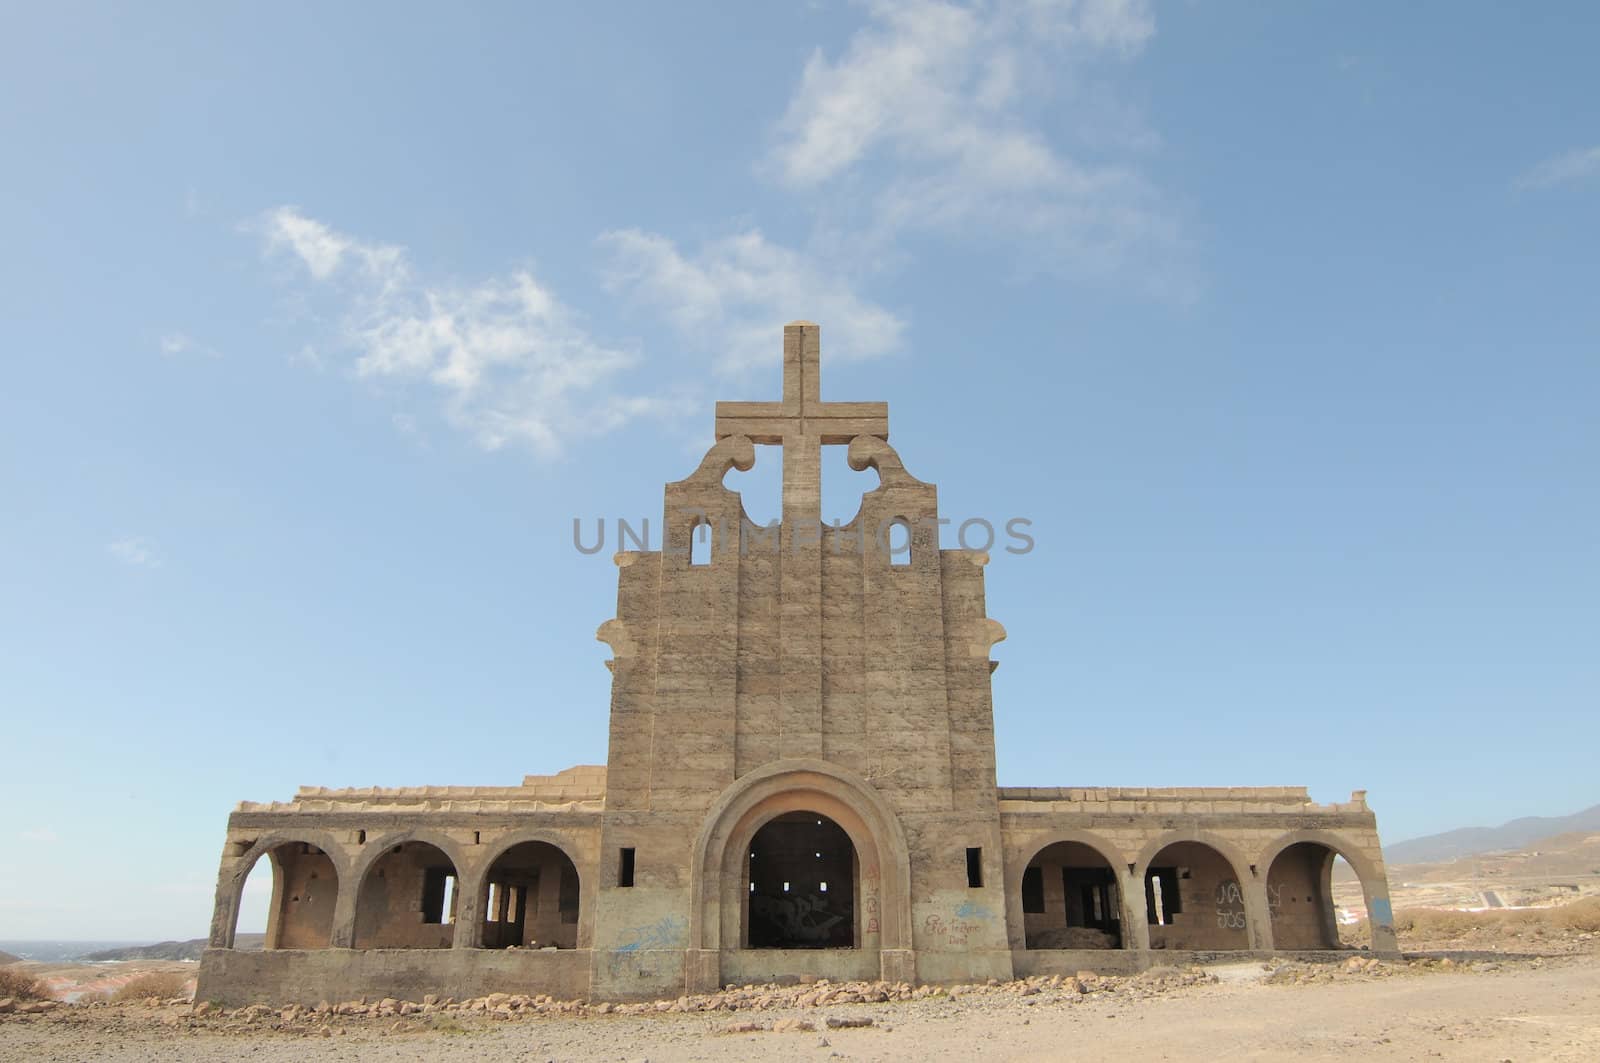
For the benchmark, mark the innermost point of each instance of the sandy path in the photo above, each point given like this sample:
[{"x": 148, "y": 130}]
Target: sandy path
[{"x": 1518, "y": 1013}]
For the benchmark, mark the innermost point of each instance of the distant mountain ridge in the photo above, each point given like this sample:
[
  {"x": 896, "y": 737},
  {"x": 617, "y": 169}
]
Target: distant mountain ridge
[
  {"x": 170, "y": 950},
  {"x": 1469, "y": 841}
]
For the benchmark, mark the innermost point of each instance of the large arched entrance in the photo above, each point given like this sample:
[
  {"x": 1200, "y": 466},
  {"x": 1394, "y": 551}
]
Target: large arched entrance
[
  {"x": 304, "y": 889},
  {"x": 1194, "y": 899},
  {"x": 408, "y": 899},
  {"x": 529, "y": 899},
  {"x": 1071, "y": 900},
  {"x": 719, "y": 944},
  {"x": 802, "y": 873},
  {"x": 1300, "y": 897}
]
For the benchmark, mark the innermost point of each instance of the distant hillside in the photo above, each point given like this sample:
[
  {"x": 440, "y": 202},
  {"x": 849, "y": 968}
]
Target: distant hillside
[
  {"x": 6, "y": 957},
  {"x": 171, "y": 950},
  {"x": 1468, "y": 841}
]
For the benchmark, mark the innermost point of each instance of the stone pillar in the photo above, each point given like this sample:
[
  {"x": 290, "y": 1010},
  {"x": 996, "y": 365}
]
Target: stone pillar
[
  {"x": 543, "y": 927},
  {"x": 275, "y": 906},
  {"x": 1257, "y": 913},
  {"x": 1380, "y": 917},
  {"x": 1135, "y": 921},
  {"x": 469, "y": 914},
  {"x": 344, "y": 911}
]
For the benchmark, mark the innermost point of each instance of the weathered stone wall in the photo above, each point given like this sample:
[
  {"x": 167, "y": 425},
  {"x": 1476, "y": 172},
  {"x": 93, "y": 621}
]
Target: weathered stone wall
[
  {"x": 236, "y": 978},
  {"x": 305, "y": 890}
]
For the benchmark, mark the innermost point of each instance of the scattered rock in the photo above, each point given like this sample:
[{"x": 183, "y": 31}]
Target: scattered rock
[{"x": 847, "y": 1022}]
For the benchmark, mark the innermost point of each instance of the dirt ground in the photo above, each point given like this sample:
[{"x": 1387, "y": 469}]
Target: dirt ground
[{"x": 1492, "y": 1009}]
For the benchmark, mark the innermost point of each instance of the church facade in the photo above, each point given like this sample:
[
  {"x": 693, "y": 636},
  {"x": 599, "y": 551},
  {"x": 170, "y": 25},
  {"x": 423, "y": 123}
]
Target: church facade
[{"x": 800, "y": 784}]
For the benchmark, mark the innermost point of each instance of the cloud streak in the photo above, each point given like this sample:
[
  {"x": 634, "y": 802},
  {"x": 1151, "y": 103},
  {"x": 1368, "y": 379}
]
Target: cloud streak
[
  {"x": 135, "y": 552},
  {"x": 733, "y": 296},
  {"x": 507, "y": 359},
  {"x": 1580, "y": 164},
  {"x": 931, "y": 111}
]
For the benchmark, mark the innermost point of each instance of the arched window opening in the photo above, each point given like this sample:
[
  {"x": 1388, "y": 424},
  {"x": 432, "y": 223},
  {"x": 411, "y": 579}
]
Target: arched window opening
[
  {"x": 700, "y": 543},
  {"x": 530, "y": 899},
  {"x": 803, "y": 872},
  {"x": 1070, "y": 900},
  {"x": 899, "y": 543},
  {"x": 1300, "y": 898},
  {"x": 1194, "y": 900},
  {"x": 408, "y": 900},
  {"x": 287, "y": 900}
]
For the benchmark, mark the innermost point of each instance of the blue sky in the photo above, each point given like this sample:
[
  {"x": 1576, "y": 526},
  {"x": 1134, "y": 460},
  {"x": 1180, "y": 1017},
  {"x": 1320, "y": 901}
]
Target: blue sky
[{"x": 324, "y": 322}]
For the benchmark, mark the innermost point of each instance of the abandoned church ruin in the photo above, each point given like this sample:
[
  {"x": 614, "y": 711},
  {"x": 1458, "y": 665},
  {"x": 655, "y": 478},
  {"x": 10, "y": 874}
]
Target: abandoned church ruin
[{"x": 800, "y": 783}]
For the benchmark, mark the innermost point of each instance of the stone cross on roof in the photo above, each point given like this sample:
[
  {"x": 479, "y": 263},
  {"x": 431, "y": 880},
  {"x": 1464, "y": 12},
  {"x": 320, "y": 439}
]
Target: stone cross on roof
[{"x": 802, "y": 423}]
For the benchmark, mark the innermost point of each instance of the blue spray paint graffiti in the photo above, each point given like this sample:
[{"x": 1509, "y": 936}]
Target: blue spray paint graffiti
[
  {"x": 668, "y": 932},
  {"x": 1382, "y": 914}
]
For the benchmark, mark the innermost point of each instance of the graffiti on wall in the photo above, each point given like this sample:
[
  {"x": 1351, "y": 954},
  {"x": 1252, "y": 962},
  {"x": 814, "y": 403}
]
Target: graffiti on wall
[
  {"x": 668, "y": 932},
  {"x": 1230, "y": 905},
  {"x": 797, "y": 916}
]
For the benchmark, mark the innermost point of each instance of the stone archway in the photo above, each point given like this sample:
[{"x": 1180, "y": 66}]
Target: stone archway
[
  {"x": 1199, "y": 894},
  {"x": 406, "y": 893},
  {"x": 529, "y": 894},
  {"x": 308, "y": 872},
  {"x": 1299, "y": 868},
  {"x": 720, "y": 873},
  {"x": 1071, "y": 897}
]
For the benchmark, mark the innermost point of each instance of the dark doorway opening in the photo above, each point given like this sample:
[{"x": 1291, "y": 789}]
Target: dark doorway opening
[
  {"x": 1071, "y": 900},
  {"x": 802, "y": 884},
  {"x": 530, "y": 899}
]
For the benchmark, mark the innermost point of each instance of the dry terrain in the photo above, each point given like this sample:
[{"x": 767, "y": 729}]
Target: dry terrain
[
  {"x": 1559, "y": 869},
  {"x": 1497, "y": 985},
  {"x": 1495, "y": 1010}
]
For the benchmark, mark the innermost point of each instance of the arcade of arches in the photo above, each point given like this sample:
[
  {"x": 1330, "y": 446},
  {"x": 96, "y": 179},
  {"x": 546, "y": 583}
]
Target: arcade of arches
[{"x": 799, "y": 778}]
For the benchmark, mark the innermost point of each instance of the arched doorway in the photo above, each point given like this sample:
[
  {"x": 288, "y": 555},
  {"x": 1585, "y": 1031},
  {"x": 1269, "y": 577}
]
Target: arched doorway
[
  {"x": 1194, "y": 899},
  {"x": 1300, "y": 897},
  {"x": 302, "y": 888},
  {"x": 1071, "y": 900},
  {"x": 801, "y": 885},
  {"x": 529, "y": 899},
  {"x": 720, "y": 886},
  {"x": 408, "y": 899}
]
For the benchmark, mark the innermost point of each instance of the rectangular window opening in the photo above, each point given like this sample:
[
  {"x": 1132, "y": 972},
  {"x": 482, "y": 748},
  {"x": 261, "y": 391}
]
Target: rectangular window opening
[
  {"x": 625, "y": 867},
  {"x": 975, "y": 868},
  {"x": 1033, "y": 891},
  {"x": 438, "y": 895}
]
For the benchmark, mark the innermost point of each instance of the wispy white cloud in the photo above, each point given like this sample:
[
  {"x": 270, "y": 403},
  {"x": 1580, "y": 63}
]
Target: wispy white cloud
[
  {"x": 509, "y": 361},
  {"x": 931, "y": 119},
  {"x": 40, "y": 836},
  {"x": 732, "y": 297},
  {"x": 136, "y": 552},
  {"x": 174, "y": 344},
  {"x": 1577, "y": 165}
]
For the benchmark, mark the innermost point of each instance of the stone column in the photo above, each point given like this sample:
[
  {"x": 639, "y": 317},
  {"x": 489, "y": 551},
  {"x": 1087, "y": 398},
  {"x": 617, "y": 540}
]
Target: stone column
[
  {"x": 1257, "y": 913},
  {"x": 344, "y": 910},
  {"x": 1135, "y": 922}
]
